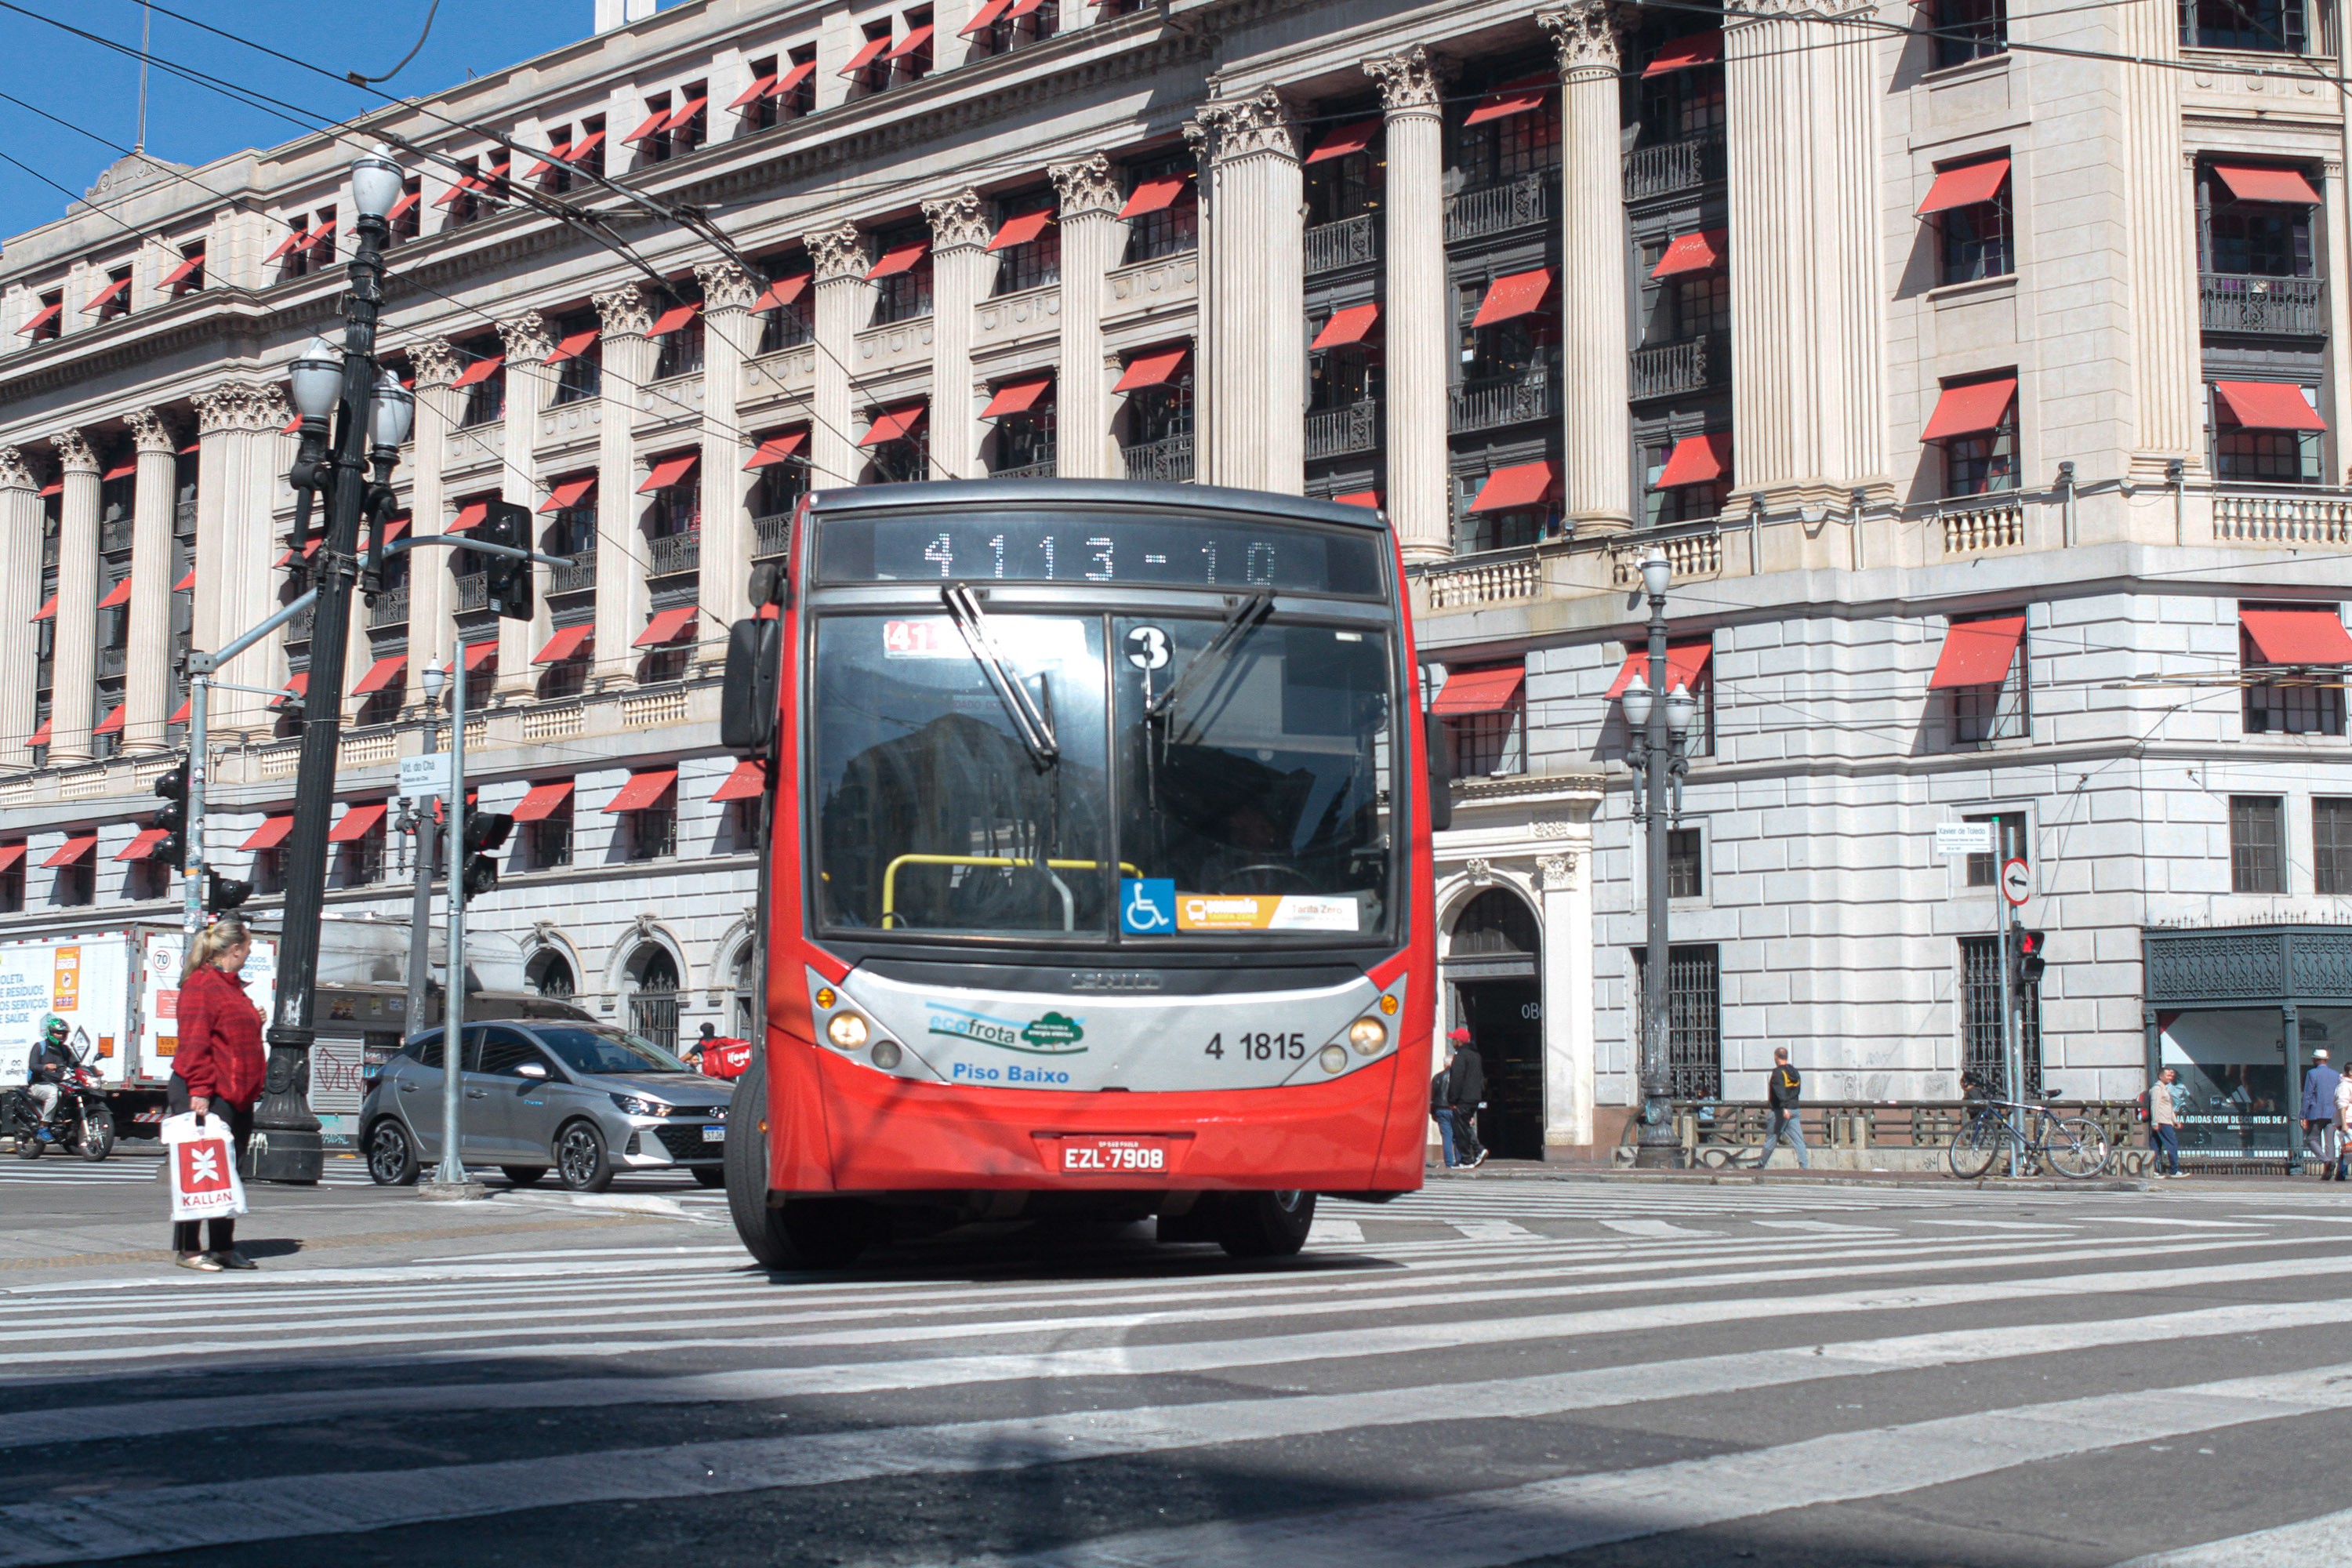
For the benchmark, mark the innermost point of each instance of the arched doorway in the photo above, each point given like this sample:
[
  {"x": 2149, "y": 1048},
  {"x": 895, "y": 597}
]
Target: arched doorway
[
  {"x": 1490, "y": 969},
  {"x": 549, "y": 972},
  {"x": 653, "y": 997}
]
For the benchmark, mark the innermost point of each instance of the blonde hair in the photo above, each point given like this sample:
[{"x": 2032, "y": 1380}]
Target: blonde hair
[{"x": 212, "y": 942}]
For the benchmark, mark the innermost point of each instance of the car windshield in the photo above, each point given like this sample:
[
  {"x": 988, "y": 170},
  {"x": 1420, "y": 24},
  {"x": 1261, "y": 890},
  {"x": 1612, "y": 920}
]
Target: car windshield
[{"x": 604, "y": 1050}]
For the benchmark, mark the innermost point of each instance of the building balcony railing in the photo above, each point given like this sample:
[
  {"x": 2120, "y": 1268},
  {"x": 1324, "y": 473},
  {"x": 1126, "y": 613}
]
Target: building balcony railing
[
  {"x": 671, "y": 555},
  {"x": 1671, "y": 167},
  {"x": 1169, "y": 461},
  {"x": 1351, "y": 240},
  {"x": 1983, "y": 525},
  {"x": 2242, "y": 302},
  {"x": 112, "y": 661},
  {"x": 297, "y": 627},
  {"x": 473, "y": 591},
  {"x": 771, "y": 536},
  {"x": 1335, "y": 432},
  {"x": 390, "y": 609},
  {"x": 578, "y": 577},
  {"x": 1497, "y": 209},
  {"x": 1495, "y": 580},
  {"x": 1497, "y": 401},
  {"x": 1044, "y": 468},
  {"x": 114, "y": 534},
  {"x": 2283, "y": 518},
  {"x": 1673, "y": 368}
]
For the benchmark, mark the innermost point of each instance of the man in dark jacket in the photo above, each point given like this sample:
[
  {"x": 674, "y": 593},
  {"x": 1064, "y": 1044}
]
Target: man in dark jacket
[
  {"x": 52, "y": 1062},
  {"x": 1783, "y": 1090},
  {"x": 1465, "y": 1088},
  {"x": 2319, "y": 1111}
]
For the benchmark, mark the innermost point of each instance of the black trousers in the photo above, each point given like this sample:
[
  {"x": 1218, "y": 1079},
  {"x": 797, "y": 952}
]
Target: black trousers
[{"x": 240, "y": 1125}]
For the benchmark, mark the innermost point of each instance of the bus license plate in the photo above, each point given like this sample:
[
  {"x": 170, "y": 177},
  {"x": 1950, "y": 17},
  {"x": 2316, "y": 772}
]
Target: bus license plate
[
  {"x": 714, "y": 1134},
  {"x": 1114, "y": 1156}
]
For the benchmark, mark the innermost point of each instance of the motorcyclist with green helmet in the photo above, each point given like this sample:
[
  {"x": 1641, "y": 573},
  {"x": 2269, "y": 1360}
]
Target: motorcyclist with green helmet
[{"x": 52, "y": 1060}]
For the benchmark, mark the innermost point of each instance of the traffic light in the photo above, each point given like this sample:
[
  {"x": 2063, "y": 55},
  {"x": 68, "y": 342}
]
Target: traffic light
[
  {"x": 2027, "y": 955},
  {"x": 508, "y": 580},
  {"x": 486, "y": 831},
  {"x": 172, "y": 816},
  {"x": 221, "y": 894}
]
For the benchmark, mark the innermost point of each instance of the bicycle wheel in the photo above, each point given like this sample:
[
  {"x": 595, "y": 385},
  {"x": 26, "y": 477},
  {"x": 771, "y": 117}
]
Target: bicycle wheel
[
  {"x": 2076, "y": 1148},
  {"x": 1975, "y": 1147}
]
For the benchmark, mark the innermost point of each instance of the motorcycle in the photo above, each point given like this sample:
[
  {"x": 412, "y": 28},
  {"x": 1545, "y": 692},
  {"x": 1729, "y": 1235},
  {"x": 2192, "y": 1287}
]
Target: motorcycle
[{"x": 82, "y": 1120}]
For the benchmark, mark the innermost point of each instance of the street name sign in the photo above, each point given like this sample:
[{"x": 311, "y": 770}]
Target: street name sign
[
  {"x": 1964, "y": 838},
  {"x": 426, "y": 777}
]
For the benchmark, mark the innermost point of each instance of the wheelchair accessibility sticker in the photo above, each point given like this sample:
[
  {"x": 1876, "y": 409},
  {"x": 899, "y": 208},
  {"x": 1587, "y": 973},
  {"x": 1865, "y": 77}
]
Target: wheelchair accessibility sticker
[{"x": 1147, "y": 905}]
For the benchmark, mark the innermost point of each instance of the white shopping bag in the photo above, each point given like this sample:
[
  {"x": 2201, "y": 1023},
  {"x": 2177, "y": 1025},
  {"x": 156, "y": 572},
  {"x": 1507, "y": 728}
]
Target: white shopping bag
[{"x": 202, "y": 1162}]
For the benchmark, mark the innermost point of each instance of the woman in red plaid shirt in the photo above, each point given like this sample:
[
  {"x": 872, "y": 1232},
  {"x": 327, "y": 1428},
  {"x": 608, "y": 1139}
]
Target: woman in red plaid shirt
[{"x": 218, "y": 1066}]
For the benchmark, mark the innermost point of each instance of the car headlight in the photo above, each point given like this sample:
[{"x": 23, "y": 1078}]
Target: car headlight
[
  {"x": 1368, "y": 1035},
  {"x": 1332, "y": 1060},
  {"x": 846, "y": 1031},
  {"x": 633, "y": 1106},
  {"x": 886, "y": 1055}
]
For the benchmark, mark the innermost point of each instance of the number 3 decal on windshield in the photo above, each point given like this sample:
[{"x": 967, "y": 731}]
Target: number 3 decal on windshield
[{"x": 1147, "y": 648}]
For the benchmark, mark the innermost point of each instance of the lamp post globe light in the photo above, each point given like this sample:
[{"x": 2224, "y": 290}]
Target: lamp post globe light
[
  {"x": 1654, "y": 729},
  {"x": 346, "y": 409}
]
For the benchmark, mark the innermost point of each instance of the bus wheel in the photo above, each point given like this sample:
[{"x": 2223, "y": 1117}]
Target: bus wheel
[
  {"x": 812, "y": 1233},
  {"x": 1264, "y": 1225}
]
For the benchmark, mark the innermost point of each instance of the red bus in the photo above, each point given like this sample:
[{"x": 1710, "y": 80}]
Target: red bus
[{"x": 1097, "y": 877}]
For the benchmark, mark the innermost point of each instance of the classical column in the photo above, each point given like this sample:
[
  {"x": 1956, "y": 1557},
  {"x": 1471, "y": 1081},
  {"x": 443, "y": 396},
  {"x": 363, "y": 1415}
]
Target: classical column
[
  {"x": 1807, "y": 358},
  {"x": 838, "y": 256},
  {"x": 729, "y": 333},
  {"x": 2168, "y": 350},
  {"x": 622, "y": 595},
  {"x": 432, "y": 600},
  {"x": 73, "y": 672},
  {"x": 1593, "y": 314},
  {"x": 529, "y": 380},
  {"x": 147, "y": 677},
  {"x": 20, "y": 590},
  {"x": 1418, "y": 304},
  {"x": 237, "y": 472},
  {"x": 1567, "y": 996},
  {"x": 961, "y": 273},
  {"x": 1093, "y": 240},
  {"x": 1256, "y": 393}
]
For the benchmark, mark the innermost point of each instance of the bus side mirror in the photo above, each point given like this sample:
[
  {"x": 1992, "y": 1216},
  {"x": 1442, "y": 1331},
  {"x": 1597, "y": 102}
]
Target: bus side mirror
[
  {"x": 1441, "y": 772},
  {"x": 747, "y": 703}
]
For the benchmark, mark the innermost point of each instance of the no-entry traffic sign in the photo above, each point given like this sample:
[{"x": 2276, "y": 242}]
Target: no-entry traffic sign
[{"x": 2016, "y": 882}]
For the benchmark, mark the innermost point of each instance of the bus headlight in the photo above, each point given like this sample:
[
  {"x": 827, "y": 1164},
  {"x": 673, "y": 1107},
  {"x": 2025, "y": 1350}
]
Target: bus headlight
[
  {"x": 846, "y": 1031},
  {"x": 886, "y": 1055},
  {"x": 1332, "y": 1060},
  {"x": 1368, "y": 1035}
]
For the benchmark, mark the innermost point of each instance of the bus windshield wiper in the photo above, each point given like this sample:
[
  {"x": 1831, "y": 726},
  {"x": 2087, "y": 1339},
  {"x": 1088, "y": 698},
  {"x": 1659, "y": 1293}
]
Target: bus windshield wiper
[
  {"x": 1036, "y": 731},
  {"x": 1244, "y": 617}
]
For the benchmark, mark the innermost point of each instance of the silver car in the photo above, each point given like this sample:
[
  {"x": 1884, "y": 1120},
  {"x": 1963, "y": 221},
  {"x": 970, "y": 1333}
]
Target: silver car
[{"x": 585, "y": 1100}]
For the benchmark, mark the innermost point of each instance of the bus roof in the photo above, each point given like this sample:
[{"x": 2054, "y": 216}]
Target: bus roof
[{"x": 1126, "y": 494}]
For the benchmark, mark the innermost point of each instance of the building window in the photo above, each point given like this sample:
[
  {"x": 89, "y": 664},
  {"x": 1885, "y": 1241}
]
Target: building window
[
  {"x": 1982, "y": 459},
  {"x": 407, "y": 216},
  {"x": 653, "y": 997},
  {"x": 2256, "y": 443},
  {"x": 580, "y": 374},
  {"x": 1971, "y": 206},
  {"x": 12, "y": 855},
  {"x": 76, "y": 884},
  {"x": 361, "y": 860},
  {"x": 792, "y": 322},
  {"x": 1994, "y": 711},
  {"x": 188, "y": 277},
  {"x": 1501, "y": 147},
  {"x": 651, "y": 137},
  {"x": 1172, "y": 226},
  {"x": 2009, "y": 840},
  {"x": 45, "y": 323},
  {"x": 1033, "y": 263},
  {"x": 868, "y": 71},
  {"x": 689, "y": 127},
  {"x": 2258, "y": 238},
  {"x": 1984, "y": 1052},
  {"x": 1970, "y": 30},
  {"x": 2331, "y": 845},
  {"x": 2257, "y": 844},
  {"x": 549, "y": 972},
  {"x": 681, "y": 349},
  {"x": 1693, "y": 1019},
  {"x": 551, "y": 839},
  {"x": 776, "y": 493},
  {"x": 758, "y": 111},
  {"x": 483, "y": 380},
  {"x": 1024, "y": 442},
  {"x": 904, "y": 295},
  {"x": 1691, "y": 490},
  {"x": 1484, "y": 745},
  {"x": 1685, "y": 863},
  {"x": 2289, "y": 699},
  {"x": 652, "y": 831},
  {"x": 2277, "y": 27},
  {"x": 1679, "y": 104}
]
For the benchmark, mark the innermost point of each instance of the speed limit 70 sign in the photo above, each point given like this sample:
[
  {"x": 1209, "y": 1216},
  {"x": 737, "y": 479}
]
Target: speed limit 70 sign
[{"x": 2016, "y": 882}]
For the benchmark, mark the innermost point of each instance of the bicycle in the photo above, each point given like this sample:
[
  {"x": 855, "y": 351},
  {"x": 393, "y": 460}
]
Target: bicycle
[{"x": 2073, "y": 1146}]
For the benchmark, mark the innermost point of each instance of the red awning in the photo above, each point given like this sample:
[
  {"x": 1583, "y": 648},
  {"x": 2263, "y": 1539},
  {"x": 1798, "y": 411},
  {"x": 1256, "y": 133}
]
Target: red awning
[
  {"x": 794, "y": 77},
  {"x": 782, "y": 292},
  {"x": 867, "y": 53},
  {"x": 566, "y": 643},
  {"x": 2266, "y": 183},
  {"x": 296, "y": 686},
  {"x": 1359, "y": 498},
  {"x": 1970, "y": 409},
  {"x": 289, "y": 243},
  {"x": 478, "y": 654},
  {"x": 1979, "y": 653},
  {"x": 186, "y": 583},
  {"x": 291, "y": 425},
  {"x": 1518, "y": 97},
  {"x": 1696, "y": 460},
  {"x": 119, "y": 471},
  {"x": 747, "y": 782},
  {"x": 567, "y": 494},
  {"x": 106, "y": 296},
  {"x": 2298, "y": 636},
  {"x": 1156, "y": 367},
  {"x": 322, "y": 231},
  {"x": 71, "y": 852},
  {"x": 667, "y": 472},
  {"x": 180, "y": 714},
  {"x": 407, "y": 200},
  {"x": 1685, "y": 53},
  {"x": 673, "y": 319},
  {"x": 651, "y": 123},
  {"x": 270, "y": 834},
  {"x": 899, "y": 258},
  {"x": 1479, "y": 690},
  {"x": 1966, "y": 186},
  {"x": 180, "y": 273},
  {"x": 777, "y": 450},
  {"x": 1684, "y": 663},
  {"x": 481, "y": 369},
  {"x": 542, "y": 801},
  {"x": 10, "y": 854},
  {"x": 2266, "y": 405},
  {"x": 683, "y": 113},
  {"x": 1155, "y": 196},
  {"x": 380, "y": 675},
  {"x": 48, "y": 608},
  {"x": 985, "y": 18},
  {"x": 117, "y": 596},
  {"x": 150, "y": 839},
  {"x": 465, "y": 182},
  {"x": 1023, "y": 8},
  {"x": 894, "y": 423},
  {"x": 469, "y": 516},
  {"x": 1345, "y": 139},
  {"x": 1512, "y": 296},
  {"x": 112, "y": 723},
  {"x": 666, "y": 626},
  {"x": 573, "y": 347},
  {"x": 40, "y": 737},
  {"x": 915, "y": 39},
  {"x": 1352, "y": 325},
  {"x": 41, "y": 317},
  {"x": 757, "y": 90},
  {"x": 355, "y": 823},
  {"x": 1017, "y": 396},
  {"x": 1701, "y": 252},
  {"x": 555, "y": 155},
  {"x": 1019, "y": 230},
  {"x": 642, "y": 790},
  {"x": 1520, "y": 485}
]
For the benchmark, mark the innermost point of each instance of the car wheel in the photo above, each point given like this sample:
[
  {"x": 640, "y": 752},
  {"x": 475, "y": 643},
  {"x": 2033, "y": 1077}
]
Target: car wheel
[
  {"x": 710, "y": 1175},
  {"x": 523, "y": 1175},
  {"x": 1264, "y": 1225},
  {"x": 391, "y": 1155},
  {"x": 581, "y": 1162}
]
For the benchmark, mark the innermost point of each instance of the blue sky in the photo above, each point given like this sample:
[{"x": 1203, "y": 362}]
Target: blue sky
[{"x": 98, "y": 89}]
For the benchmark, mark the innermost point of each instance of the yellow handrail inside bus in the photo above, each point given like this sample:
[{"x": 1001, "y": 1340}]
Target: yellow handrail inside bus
[{"x": 890, "y": 872}]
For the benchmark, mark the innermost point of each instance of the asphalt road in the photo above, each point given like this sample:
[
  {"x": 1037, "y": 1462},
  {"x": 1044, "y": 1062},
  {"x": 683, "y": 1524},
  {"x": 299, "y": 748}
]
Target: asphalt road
[{"x": 1497, "y": 1371}]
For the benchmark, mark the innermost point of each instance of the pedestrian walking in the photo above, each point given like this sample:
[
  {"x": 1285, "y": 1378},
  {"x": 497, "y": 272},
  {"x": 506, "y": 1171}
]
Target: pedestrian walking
[
  {"x": 218, "y": 1069},
  {"x": 2164, "y": 1123},
  {"x": 1441, "y": 1106},
  {"x": 1466, "y": 1091},
  {"x": 1783, "y": 1087},
  {"x": 2319, "y": 1111}
]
